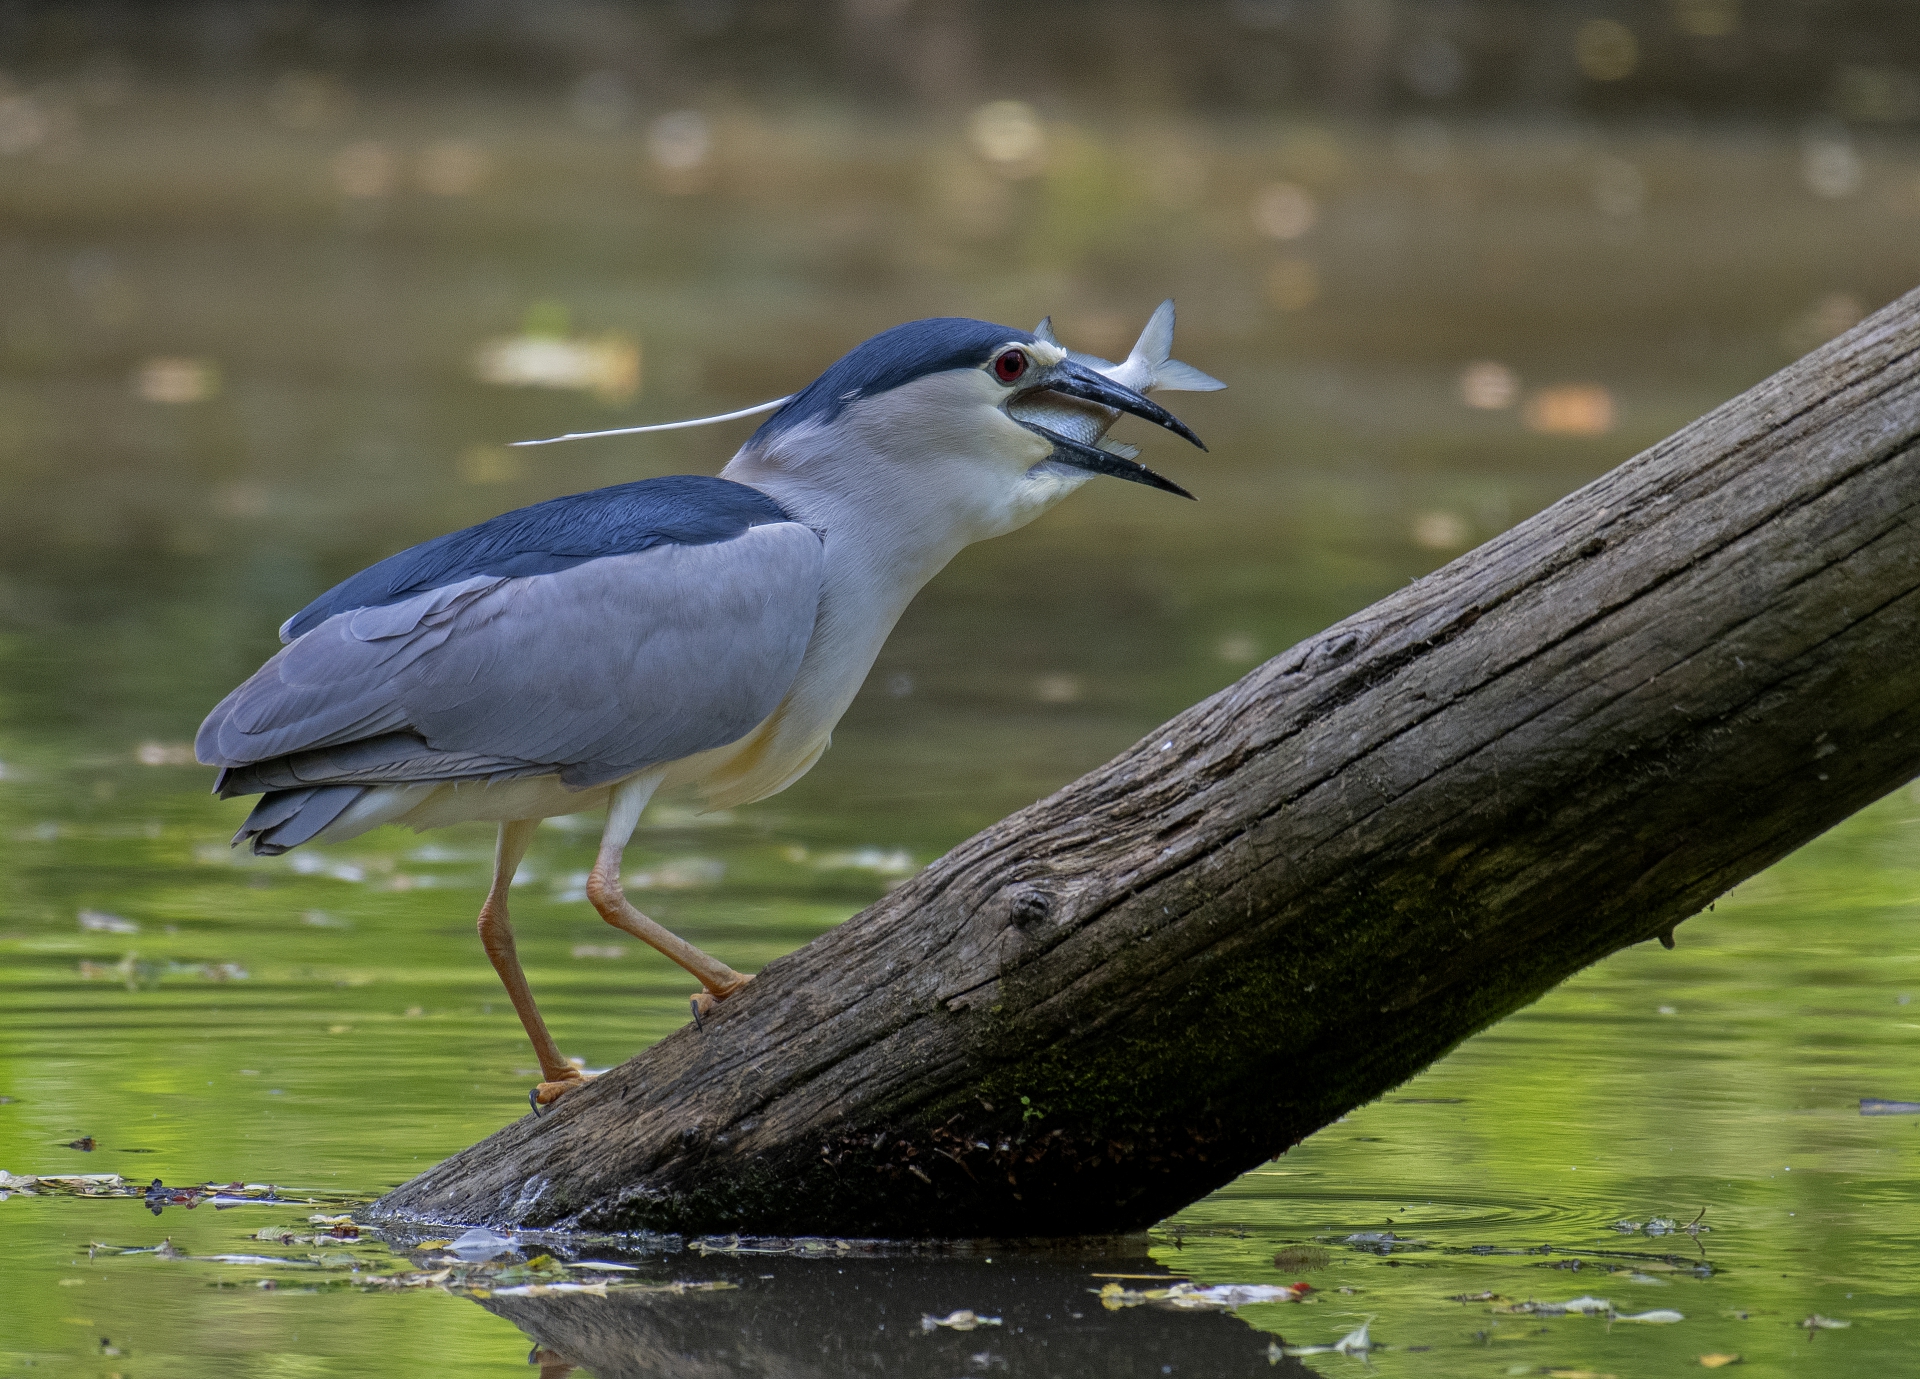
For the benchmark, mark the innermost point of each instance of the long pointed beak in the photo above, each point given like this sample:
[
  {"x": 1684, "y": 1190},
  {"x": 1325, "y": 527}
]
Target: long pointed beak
[
  {"x": 1077, "y": 380},
  {"x": 1071, "y": 452}
]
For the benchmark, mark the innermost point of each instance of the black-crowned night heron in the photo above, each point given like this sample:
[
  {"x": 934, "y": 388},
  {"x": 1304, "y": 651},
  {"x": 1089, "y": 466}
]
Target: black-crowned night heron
[{"x": 688, "y": 631}]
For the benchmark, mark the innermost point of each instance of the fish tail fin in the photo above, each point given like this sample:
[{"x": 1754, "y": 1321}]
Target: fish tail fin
[
  {"x": 1175, "y": 377},
  {"x": 1156, "y": 339},
  {"x": 1150, "y": 358}
]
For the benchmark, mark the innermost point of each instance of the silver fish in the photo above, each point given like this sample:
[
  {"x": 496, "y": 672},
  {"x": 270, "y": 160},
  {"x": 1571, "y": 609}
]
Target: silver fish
[{"x": 1147, "y": 368}]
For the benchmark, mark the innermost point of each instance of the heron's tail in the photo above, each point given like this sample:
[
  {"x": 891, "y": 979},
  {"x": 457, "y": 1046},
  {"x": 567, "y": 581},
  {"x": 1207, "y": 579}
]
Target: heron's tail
[{"x": 285, "y": 819}]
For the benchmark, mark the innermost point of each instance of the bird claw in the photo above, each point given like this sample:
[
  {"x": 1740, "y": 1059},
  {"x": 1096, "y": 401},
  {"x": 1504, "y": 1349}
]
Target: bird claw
[
  {"x": 546, "y": 1093},
  {"x": 703, "y": 1002}
]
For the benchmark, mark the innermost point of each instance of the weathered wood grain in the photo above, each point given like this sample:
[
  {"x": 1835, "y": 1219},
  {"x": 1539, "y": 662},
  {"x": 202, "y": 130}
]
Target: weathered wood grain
[{"x": 1303, "y": 890}]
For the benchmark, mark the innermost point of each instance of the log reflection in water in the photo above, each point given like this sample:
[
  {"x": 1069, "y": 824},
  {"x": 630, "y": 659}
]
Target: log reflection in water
[{"x": 800, "y": 1318}]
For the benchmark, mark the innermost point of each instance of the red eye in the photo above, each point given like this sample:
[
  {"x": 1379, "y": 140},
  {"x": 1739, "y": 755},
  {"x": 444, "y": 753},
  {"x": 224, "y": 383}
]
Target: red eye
[{"x": 1010, "y": 365}]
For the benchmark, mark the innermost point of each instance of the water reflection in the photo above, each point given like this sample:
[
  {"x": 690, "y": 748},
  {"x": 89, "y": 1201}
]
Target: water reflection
[{"x": 799, "y": 1318}]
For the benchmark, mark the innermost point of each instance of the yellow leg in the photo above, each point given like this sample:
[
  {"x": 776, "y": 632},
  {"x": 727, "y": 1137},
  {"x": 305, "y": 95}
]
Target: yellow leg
[
  {"x": 496, "y": 936},
  {"x": 603, "y": 890}
]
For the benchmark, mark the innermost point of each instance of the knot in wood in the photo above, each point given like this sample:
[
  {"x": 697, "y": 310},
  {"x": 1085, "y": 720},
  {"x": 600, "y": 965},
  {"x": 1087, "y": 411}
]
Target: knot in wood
[
  {"x": 1332, "y": 649},
  {"x": 1028, "y": 905}
]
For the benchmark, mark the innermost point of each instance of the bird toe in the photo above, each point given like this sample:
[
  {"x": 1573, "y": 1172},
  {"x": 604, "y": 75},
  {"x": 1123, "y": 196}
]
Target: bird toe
[
  {"x": 546, "y": 1093},
  {"x": 704, "y": 1002}
]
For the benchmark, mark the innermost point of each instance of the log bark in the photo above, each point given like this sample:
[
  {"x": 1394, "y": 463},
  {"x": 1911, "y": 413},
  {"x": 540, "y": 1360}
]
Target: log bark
[{"x": 1300, "y": 892}]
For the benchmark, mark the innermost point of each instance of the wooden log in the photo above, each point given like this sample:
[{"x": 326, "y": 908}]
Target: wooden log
[{"x": 1305, "y": 889}]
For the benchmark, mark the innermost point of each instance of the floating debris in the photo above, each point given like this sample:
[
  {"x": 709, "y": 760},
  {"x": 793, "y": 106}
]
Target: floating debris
[
  {"x": 1657, "y": 1316},
  {"x": 481, "y": 1244},
  {"x": 1874, "y": 1106},
  {"x": 1387, "y": 1242},
  {"x": 963, "y": 1320},
  {"x": 1577, "y": 1307},
  {"x": 1186, "y": 1293},
  {"x": 1355, "y": 1342},
  {"x": 85, "y": 1144},
  {"x": 1664, "y": 1225},
  {"x": 1718, "y": 1360},
  {"x": 540, "y": 1276},
  {"x": 805, "y": 1246},
  {"x": 156, "y": 1194},
  {"x": 1816, "y": 1322},
  {"x": 1476, "y": 1297},
  {"x": 542, "y": 1290}
]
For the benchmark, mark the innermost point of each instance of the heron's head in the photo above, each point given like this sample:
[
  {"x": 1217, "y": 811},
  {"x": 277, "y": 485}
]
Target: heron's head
[{"x": 982, "y": 419}]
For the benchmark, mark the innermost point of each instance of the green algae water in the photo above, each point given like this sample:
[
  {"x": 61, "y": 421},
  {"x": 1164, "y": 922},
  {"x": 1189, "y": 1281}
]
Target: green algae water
[{"x": 249, "y": 348}]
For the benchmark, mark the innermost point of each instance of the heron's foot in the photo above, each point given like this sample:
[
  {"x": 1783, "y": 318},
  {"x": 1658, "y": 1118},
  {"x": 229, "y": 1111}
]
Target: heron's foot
[
  {"x": 546, "y": 1093},
  {"x": 703, "y": 1001}
]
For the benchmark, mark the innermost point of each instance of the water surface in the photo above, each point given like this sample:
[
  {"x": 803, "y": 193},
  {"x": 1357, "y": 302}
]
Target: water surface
[{"x": 241, "y": 360}]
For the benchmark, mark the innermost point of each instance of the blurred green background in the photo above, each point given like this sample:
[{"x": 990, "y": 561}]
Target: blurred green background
[{"x": 278, "y": 282}]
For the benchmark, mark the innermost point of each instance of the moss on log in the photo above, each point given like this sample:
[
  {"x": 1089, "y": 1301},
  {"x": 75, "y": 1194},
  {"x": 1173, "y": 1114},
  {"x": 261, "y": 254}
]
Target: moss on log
[{"x": 1305, "y": 889}]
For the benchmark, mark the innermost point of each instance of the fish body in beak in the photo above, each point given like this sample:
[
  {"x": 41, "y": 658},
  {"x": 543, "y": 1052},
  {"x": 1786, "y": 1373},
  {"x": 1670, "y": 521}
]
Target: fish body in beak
[{"x": 1075, "y": 402}]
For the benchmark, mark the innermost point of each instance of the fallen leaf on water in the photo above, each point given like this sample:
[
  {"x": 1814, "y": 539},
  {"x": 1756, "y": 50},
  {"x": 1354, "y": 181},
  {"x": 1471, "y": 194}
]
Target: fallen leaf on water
[
  {"x": 1577, "y": 1374},
  {"x": 963, "y": 1320},
  {"x": 1719, "y": 1361}
]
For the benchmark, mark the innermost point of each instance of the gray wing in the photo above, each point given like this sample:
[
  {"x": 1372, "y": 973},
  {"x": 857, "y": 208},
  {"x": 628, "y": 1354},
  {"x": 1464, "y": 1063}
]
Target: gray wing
[{"x": 593, "y": 672}]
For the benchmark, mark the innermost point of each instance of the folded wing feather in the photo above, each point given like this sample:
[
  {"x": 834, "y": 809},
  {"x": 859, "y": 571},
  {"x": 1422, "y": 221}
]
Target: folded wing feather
[{"x": 592, "y": 672}]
